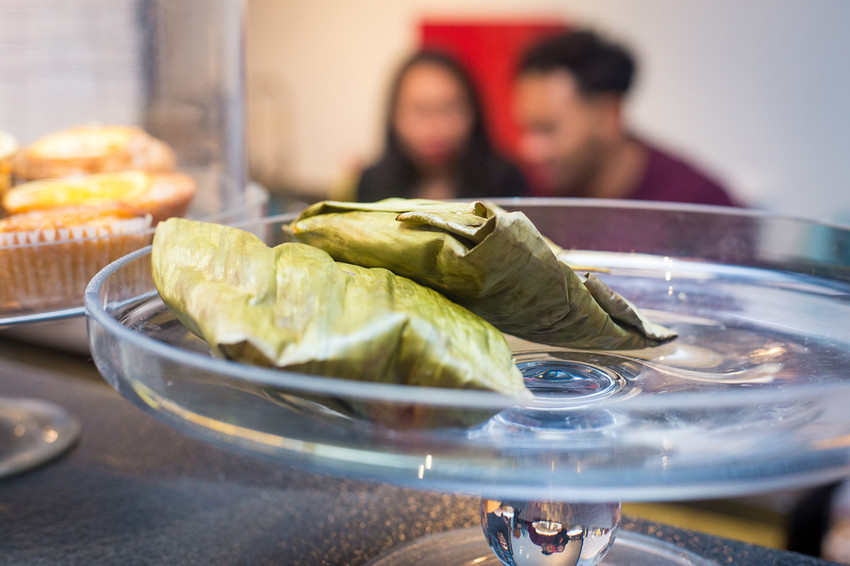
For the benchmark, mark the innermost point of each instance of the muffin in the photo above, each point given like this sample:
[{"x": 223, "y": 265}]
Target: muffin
[
  {"x": 93, "y": 149},
  {"x": 8, "y": 149},
  {"x": 161, "y": 195},
  {"x": 47, "y": 257}
]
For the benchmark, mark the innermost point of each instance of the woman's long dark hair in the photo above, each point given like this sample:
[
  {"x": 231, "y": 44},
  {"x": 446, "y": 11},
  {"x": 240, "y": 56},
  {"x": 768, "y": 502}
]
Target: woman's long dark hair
[{"x": 478, "y": 164}]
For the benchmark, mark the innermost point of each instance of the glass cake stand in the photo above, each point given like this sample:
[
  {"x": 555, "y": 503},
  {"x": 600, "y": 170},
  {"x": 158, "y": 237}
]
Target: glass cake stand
[
  {"x": 750, "y": 397},
  {"x": 32, "y": 431}
]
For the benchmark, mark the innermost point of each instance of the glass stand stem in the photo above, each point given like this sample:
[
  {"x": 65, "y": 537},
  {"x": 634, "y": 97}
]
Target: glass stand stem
[
  {"x": 550, "y": 533},
  {"x": 522, "y": 533}
]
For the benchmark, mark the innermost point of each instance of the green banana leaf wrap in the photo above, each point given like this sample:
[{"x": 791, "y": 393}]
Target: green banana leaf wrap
[
  {"x": 493, "y": 262},
  {"x": 294, "y": 307}
]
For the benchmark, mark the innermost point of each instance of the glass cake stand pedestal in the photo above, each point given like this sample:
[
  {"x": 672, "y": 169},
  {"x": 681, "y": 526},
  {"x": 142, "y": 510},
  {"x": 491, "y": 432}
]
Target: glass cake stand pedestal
[
  {"x": 749, "y": 398},
  {"x": 33, "y": 432}
]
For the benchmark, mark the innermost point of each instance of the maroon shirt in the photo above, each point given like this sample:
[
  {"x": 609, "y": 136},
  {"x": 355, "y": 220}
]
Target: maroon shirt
[{"x": 668, "y": 178}]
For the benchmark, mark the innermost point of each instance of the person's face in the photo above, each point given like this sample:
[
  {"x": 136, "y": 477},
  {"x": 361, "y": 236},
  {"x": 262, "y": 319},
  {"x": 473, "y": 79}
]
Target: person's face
[
  {"x": 563, "y": 134},
  {"x": 433, "y": 117}
]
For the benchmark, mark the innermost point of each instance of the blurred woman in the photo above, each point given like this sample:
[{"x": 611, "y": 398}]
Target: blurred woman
[{"x": 436, "y": 145}]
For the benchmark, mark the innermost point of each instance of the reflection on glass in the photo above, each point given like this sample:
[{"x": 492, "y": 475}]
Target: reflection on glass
[{"x": 547, "y": 533}]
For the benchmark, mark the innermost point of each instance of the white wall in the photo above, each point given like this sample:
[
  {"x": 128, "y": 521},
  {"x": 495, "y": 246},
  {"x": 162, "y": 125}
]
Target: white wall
[{"x": 756, "y": 91}]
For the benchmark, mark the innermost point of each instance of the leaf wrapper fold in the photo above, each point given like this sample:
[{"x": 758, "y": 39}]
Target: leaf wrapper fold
[
  {"x": 492, "y": 262},
  {"x": 294, "y": 307}
]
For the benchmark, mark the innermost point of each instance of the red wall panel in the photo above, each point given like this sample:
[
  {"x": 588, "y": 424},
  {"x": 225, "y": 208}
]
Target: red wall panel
[{"x": 490, "y": 50}]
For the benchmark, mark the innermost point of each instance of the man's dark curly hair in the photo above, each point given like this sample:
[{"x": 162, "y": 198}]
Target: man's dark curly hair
[{"x": 598, "y": 66}]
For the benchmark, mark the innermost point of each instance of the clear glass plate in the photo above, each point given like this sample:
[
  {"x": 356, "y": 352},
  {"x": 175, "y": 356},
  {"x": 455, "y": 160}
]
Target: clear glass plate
[
  {"x": 33, "y": 432},
  {"x": 751, "y": 397}
]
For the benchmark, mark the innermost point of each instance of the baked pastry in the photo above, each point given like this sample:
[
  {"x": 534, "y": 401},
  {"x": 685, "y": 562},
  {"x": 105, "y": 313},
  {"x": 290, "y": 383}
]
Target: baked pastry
[
  {"x": 93, "y": 149},
  {"x": 47, "y": 257},
  {"x": 162, "y": 195},
  {"x": 8, "y": 149}
]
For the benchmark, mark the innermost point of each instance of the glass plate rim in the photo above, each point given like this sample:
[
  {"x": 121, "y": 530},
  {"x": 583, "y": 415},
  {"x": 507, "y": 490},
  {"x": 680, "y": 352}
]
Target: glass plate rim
[
  {"x": 712, "y": 209},
  {"x": 441, "y": 397}
]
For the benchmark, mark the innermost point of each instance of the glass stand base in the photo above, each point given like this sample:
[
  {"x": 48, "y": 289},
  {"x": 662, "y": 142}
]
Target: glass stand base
[
  {"x": 33, "y": 432},
  {"x": 467, "y": 547}
]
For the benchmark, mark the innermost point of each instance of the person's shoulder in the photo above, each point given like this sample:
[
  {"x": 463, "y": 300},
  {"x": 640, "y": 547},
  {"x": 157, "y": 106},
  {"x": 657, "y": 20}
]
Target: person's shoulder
[
  {"x": 508, "y": 178},
  {"x": 375, "y": 183},
  {"x": 370, "y": 173},
  {"x": 670, "y": 177}
]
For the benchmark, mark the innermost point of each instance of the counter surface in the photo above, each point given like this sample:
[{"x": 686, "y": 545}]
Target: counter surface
[{"x": 133, "y": 491}]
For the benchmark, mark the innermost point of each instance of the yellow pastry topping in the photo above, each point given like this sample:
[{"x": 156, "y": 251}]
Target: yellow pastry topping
[
  {"x": 8, "y": 148},
  {"x": 84, "y": 141},
  {"x": 125, "y": 186}
]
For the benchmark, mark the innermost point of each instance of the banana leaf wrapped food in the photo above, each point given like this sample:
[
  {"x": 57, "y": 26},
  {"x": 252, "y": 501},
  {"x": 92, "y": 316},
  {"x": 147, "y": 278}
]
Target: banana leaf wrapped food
[
  {"x": 493, "y": 262},
  {"x": 294, "y": 307}
]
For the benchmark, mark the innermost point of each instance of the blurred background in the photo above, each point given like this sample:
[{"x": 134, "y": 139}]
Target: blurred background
[{"x": 754, "y": 92}]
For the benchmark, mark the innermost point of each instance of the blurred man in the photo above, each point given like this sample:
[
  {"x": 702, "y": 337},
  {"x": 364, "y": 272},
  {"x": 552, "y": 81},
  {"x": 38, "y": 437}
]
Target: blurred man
[{"x": 569, "y": 98}]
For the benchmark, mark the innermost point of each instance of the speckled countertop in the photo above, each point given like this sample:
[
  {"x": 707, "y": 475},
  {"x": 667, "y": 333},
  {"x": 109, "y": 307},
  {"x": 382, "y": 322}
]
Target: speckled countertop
[{"x": 133, "y": 491}]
